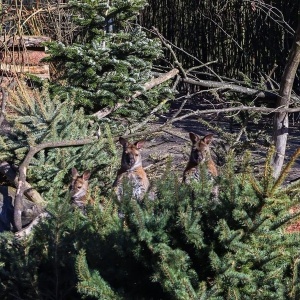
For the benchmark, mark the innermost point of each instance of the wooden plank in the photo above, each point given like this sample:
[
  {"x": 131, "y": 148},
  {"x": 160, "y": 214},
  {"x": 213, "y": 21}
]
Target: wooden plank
[
  {"x": 40, "y": 71},
  {"x": 23, "y": 41},
  {"x": 29, "y": 57}
]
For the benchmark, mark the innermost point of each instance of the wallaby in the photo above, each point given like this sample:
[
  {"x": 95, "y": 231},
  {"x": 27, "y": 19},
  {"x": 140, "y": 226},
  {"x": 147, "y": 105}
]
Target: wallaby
[
  {"x": 78, "y": 190},
  {"x": 200, "y": 154},
  {"x": 79, "y": 187},
  {"x": 131, "y": 168}
]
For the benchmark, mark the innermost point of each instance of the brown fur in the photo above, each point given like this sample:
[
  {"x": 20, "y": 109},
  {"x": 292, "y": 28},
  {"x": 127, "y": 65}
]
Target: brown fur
[
  {"x": 79, "y": 187},
  {"x": 131, "y": 168},
  {"x": 200, "y": 153},
  {"x": 78, "y": 190}
]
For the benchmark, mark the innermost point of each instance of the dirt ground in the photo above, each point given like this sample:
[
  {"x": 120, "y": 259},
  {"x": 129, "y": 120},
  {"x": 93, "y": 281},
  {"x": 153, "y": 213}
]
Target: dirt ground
[{"x": 174, "y": 144}]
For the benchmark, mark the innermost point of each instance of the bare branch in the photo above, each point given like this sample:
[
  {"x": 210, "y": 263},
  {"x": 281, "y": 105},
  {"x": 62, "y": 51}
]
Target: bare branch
[
  {"x": 11, "y": 175},
  {"x": 235, "y": 88},
  {"x": 29, "y": 13},
  {"x": 21, "y": 186},
  {"x": 265, "y": 110},
  {"x": 170, "y": 44}
]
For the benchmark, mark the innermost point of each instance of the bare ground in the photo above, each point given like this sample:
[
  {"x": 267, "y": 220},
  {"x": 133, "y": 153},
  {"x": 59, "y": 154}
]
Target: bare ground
[{"x": 173, "y": 143}]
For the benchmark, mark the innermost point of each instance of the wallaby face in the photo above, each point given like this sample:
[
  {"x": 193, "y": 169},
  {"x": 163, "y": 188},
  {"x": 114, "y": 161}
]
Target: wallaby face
[
  {"x": 131, "y": 168},
  {"x": 131, "y": 156},
  {"x": 200, "y": 154},
  {"x": 79, "y": 187},
  {"x": 200, "y": 148}
]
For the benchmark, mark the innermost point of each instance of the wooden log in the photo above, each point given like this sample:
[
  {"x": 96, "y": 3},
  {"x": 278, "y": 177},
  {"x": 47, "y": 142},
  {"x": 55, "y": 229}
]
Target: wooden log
[
  {"x": 23, "y": 42},
  {"x": 40, "y": 71},
  {"x": 28, "y": 57},
  {"x": 7, "y": 198}
]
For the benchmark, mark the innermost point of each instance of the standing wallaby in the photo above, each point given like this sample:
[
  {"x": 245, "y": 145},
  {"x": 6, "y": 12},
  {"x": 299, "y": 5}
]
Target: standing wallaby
[
  {"x": 79, "y": 187},
  {"x": 200, "y": 154},
  {"x": 131, "y": 168}
]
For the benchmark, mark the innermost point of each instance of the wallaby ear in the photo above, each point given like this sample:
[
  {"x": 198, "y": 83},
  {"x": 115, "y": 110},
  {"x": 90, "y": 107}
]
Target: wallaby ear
[
  {"x": 208, "y": 138},
  {"x": 74, "y": 173},
  {"x": 194, "y": 137},
  {"x": 86, "y": 175},
  {"x": 123, "y": 141},
  {"x": 139, "y": 144}
]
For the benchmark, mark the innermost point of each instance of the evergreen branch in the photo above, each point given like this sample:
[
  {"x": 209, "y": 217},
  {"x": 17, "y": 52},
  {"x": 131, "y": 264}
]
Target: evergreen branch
[
  {"x": 284, "y": 219},
  {"x": 82, "y": 267},
  {"x": 21, "y": 186},
  {"x": 147, "y": 86},
  {"x": 91, "y": 283},
  {"x": 288, "y": 189},
  {"x": 285, "y": 171},
  {"x": 295, "y": 279},
  {"x": 255, "y": 185}
]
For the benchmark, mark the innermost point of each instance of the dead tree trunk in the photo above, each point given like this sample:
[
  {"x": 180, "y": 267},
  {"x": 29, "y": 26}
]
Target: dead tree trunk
[{"x": 281, "y": 121}]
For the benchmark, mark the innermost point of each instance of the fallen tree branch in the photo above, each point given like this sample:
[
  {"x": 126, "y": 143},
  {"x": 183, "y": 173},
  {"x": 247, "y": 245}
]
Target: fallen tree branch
[
  {"x": 168, "y": 44},
  {"x": 11, "y": 175},
  {"x": 234, "y": 88},
  {"x": 27, "y": 230},
  {"x": 265, "y": 110},
  {"x": 170, "y": 121},
  {"x": 147, "y": 86},
  {"x": 21, "y": 186}
]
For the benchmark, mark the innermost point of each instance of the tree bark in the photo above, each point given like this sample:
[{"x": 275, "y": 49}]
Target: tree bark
[
  {"x": 21, "y": 186},
  {"x": 281, "y": 120}
]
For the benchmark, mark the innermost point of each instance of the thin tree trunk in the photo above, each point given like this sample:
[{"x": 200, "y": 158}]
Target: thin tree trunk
[{"x": 281, "y": 120}]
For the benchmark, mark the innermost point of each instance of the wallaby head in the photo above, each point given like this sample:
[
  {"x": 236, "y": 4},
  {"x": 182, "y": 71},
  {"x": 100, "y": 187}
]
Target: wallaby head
[
  {"x": 79, "y": 185},
  {"x": 200, "y": 154},
  {"x": 200, "y": 148},
  {"x": 131, "y": 156}
]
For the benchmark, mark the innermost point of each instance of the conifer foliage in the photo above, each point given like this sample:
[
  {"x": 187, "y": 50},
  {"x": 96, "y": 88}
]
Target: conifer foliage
[
  {"x": 38, "y": 117},
  {"x": 111, "y": 58},
  {"x": 188, "y": 244}
]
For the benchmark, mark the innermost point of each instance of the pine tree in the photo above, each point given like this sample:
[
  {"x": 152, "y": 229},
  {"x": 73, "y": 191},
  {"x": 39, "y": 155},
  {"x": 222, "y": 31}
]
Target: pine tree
[
  {"x": 42, "y": 266},
  {"x": 196, "y": 246},
  {"x": 37, "y": 117},
  {"x": 111, "y": 58}
]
